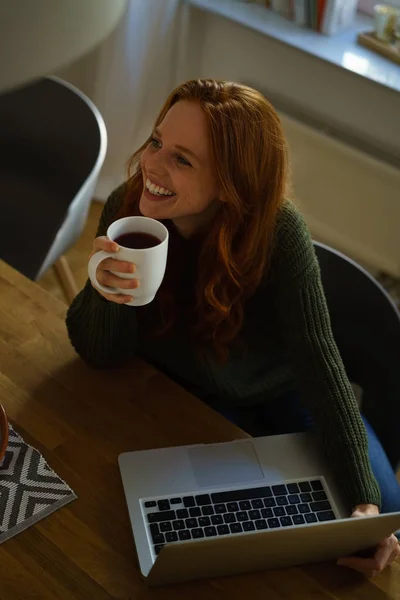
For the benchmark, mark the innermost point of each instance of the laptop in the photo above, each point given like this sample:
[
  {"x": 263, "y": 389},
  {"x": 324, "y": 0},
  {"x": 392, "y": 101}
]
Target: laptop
[{"x": 220, "y": 509}]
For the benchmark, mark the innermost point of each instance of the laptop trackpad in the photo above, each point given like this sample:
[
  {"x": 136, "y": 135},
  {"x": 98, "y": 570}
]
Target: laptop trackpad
[{"x": 220, "y": 464}]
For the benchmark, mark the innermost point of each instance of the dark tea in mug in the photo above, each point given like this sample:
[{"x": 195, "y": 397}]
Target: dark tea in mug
[{"x": 137, "y": 240}]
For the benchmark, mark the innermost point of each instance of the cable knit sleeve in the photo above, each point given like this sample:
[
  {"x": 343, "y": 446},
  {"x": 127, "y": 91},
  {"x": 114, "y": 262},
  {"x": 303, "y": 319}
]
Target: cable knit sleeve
[
  {"x": 321, "y": 378},
  {"x": 103, "y": 333}
]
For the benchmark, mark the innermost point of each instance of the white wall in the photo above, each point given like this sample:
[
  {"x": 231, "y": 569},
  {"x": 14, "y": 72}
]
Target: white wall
[
  {"x": 350, "y": 201},
  {"x": 159, "y": 44},
  {"x": 129, "y": 77},
  {"x": 367, "y": 6},
  {"x": 223, "y": 49}
]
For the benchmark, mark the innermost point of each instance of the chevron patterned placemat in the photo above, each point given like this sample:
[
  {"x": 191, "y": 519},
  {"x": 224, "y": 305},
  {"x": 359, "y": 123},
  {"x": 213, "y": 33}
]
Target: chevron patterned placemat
[{"x": 29, "y": 489}]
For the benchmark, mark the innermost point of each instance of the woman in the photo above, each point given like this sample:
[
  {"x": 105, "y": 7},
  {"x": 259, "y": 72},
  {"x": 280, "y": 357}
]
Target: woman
[{"x": 240, "y": 318}]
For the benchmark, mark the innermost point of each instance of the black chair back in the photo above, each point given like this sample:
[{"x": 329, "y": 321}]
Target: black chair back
[
  {"x": 366, "y": 327},
  {"x": 49, "y": 143}
]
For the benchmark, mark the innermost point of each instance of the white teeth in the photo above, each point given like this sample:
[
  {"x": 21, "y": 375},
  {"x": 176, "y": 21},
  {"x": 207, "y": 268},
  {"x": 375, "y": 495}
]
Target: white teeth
[{"x": 157, "y": 190}]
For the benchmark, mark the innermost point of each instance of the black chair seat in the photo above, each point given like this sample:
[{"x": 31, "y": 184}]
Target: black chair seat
[{"x": 30, "y": 220}]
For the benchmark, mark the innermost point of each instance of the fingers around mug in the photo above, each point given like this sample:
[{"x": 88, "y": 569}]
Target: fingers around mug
[
  {"x": 120, "y": 266},
  {"x": 94, "y": 262},
  {"x": 104, "y": 243},
  {"x": 108, "y": 279}
]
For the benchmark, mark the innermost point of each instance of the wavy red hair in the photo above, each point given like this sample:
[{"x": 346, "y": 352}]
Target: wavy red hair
[{"x": 250, "y": 156}]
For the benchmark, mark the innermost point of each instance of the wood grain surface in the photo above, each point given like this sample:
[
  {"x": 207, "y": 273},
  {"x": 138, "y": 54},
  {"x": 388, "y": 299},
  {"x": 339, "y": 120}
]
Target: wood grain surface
[{"x": 81, "y": 420}]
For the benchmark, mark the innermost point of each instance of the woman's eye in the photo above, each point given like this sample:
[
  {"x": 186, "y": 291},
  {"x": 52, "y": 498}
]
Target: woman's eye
[
  {"x": 183, "y": 161},
  {"x": 155, "y": 143}
]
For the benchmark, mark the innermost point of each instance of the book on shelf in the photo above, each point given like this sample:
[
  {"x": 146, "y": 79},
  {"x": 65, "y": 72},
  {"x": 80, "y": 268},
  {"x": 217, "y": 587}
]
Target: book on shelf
[
  {"x": 300, "y": 10},
  {"x": 338, "y": 15},
  {"x": 315, "y": 10},
  {"x": 281, "y": 6},
  {"x": 326, "y": 16},
  {"x": 321, "y": 5},
  {"x": 265, "y": 3},
  {"x": 313, "y": 14}
]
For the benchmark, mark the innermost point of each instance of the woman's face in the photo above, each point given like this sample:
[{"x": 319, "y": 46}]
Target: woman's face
[{"x": 179, "y": 182}]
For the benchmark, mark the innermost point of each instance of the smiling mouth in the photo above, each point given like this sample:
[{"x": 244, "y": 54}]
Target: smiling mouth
[{"x": 157, "y": 190}]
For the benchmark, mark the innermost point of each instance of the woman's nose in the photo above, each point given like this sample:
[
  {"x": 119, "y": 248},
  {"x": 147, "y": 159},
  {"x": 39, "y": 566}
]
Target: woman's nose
[{"x": 157, "y": 162}]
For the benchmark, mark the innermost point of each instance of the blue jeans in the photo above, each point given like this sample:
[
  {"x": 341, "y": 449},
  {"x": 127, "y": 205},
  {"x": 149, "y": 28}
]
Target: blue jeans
[{"x": 286, "y": 415}]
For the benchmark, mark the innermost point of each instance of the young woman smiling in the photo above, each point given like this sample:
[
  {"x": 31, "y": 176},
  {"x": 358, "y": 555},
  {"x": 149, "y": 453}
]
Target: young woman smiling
[{"x": 240, "y": 318}]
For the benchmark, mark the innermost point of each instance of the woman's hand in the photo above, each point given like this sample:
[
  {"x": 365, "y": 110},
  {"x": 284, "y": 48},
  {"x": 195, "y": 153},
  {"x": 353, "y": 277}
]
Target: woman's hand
[
  {"x": 109, "y": 279},
  {"x": 385, "y": 553}
]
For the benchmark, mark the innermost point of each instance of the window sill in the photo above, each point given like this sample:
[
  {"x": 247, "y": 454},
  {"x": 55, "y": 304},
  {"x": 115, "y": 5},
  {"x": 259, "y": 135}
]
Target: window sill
[{"x": 341, "y": 50}]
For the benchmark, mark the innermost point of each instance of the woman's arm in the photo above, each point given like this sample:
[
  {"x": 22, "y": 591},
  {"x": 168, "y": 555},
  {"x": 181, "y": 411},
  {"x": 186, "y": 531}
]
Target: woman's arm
[
  {"x": 322, "y": 381},
  {"x": 103, "y": 333}
]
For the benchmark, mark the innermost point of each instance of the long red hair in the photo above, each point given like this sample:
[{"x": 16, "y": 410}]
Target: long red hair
[{"x": 250, "y": 157}]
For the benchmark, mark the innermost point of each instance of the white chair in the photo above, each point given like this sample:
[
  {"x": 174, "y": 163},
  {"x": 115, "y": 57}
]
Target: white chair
[{"x": 52, "y": 145}]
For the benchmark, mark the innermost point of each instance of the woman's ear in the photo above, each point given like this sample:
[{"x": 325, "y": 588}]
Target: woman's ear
[{"x": 221, "y": 197}]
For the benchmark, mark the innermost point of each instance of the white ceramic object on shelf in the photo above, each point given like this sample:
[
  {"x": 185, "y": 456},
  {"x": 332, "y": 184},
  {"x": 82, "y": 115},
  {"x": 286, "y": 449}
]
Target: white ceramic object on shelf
[{"x": 385, "y": 18}]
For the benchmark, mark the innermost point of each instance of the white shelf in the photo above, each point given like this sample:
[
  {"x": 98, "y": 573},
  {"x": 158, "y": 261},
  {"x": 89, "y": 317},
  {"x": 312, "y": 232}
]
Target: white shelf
[{"x": 341, "y": 50}]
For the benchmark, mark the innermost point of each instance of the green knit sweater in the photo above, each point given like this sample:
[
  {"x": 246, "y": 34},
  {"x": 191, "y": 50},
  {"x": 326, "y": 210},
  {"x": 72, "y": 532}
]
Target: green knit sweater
[{"x": 289, "y": 345}]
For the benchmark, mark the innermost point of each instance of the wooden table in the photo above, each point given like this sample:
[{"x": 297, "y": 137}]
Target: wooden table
[{"x": 81, "y": 420}]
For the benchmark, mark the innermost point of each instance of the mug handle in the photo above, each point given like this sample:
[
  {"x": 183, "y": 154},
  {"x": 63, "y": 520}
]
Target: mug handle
[{"x": 94, "y": 262}]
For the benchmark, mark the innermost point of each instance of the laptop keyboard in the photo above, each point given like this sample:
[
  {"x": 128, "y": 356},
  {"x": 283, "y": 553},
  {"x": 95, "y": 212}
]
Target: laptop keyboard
[{"x": 197, "y": 516}]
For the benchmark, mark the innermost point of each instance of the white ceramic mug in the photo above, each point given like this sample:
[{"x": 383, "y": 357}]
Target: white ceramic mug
[
  {"x": 150, "y": 262},
  {"x": 385, "y": 21}
]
